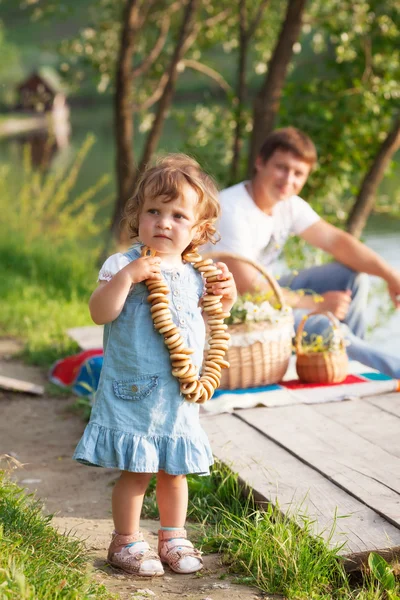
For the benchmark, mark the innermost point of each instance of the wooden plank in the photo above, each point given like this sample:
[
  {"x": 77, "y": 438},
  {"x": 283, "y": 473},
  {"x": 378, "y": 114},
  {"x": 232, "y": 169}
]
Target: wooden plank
[
  {"x": 388, "y": 402},
  {"x": 87, "y": 338},
  {"x": 277, "y": 476},
  {"x": 18, "y": 385},
  {"x": 366, "y": 420},
  {"x": 364, "y": 470}
]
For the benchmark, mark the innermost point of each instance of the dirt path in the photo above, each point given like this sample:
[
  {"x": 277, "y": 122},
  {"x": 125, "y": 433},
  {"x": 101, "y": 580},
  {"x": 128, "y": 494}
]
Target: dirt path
[{"x": 41, "y": 433}]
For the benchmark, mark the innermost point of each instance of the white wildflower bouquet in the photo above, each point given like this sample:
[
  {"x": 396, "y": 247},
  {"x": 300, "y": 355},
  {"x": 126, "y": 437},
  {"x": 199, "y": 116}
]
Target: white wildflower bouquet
[{"x": 257, "y": 307}]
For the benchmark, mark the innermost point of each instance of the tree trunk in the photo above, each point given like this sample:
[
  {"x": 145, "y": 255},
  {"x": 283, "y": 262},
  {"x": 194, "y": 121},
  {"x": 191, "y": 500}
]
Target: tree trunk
[
  {"x": 241, "y": 93},
  {"x": 366, "y": 197},
  {"x": 246, "y": 32},
  {"x": 123, "y": 120},
  {"x": 166, "y": 99},
  {"x": 266, "y": 105}
]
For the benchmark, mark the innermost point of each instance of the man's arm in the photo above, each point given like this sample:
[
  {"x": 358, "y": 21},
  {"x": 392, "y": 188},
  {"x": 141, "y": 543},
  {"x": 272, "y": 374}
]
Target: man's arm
[
  {"x": 349, "y": 251},
  {"x": 249, "y": 279}
]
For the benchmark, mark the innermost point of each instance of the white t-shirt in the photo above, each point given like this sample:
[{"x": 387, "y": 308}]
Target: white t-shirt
[{"x": 247, "y": 230}]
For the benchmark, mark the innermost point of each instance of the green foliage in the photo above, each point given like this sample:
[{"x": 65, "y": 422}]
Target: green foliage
[
  {"x": 10, "y": 67},
  {"x": 48, "y": 252},
  {"x": 94, "y": 50},
  {"x": 278, "y": 556},
  {"x": 344, "y": 94},
  {"x": 382, "y": 572},
  {"x": 342, "y": 87},
  {"x": 43, "y": 206},
  {"x": 37, "y": 562},
  {"x": 207, "y": 134}
]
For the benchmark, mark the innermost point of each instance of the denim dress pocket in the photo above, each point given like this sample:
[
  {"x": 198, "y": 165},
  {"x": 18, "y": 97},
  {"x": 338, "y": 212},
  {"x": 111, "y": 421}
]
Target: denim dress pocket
[{"x": 135, "y": 388}]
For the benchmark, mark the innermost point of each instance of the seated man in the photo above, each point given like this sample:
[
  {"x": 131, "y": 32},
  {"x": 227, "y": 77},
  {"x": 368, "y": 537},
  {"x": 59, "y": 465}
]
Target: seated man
[{"x": 259, "y": 215}]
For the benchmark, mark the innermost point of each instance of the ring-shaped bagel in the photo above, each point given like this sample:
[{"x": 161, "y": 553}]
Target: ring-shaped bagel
[{"x": 193, "y": 388}]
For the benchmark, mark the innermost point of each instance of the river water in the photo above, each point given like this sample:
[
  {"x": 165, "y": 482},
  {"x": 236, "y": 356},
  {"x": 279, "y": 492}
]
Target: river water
[{"x": 387, "y": 245}]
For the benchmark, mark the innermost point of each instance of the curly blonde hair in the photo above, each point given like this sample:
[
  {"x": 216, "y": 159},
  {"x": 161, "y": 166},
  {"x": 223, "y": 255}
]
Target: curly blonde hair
[{"x": 165, "y": 179}]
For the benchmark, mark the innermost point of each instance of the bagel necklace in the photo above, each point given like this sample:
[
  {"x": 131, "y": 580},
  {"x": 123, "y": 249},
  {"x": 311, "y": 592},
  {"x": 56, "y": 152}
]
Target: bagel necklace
[{"x": 194, "y": 388}]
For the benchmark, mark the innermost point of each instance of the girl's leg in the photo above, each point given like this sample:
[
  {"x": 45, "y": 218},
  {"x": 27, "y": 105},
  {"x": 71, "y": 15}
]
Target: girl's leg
[
  {"x": 127, "y": 501},
  {"x": 172, "y": 499},
  {"x": 128, "y": 550},
  {"x": 174, "y": 548}
]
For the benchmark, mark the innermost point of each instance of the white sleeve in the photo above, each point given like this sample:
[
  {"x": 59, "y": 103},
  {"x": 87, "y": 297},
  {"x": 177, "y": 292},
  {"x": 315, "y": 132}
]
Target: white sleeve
[
  {"x": 303, "y": 215},
  {"x": 113, "y": 264}
]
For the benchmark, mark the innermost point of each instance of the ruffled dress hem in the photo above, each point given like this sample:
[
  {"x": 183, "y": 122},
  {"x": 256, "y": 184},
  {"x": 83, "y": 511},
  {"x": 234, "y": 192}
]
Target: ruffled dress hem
[{"x": 176, "y": 455}]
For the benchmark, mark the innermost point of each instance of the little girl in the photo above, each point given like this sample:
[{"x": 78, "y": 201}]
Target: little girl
[{"x": 140, "y": 422}]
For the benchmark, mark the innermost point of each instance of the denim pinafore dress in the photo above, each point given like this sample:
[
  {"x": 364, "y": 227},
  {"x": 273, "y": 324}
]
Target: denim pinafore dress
[{"x": 140, "y": 421}]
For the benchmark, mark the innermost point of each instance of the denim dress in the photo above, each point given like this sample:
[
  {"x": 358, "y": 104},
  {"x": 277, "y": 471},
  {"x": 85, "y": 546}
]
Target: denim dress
[{"x": 140, "y": 421}]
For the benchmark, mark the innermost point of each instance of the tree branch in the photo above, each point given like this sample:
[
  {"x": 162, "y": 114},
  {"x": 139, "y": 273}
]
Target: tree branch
[
  {"x": 125, "y": 167},
  {"x": 243, "y": 19},
  {"x": 186, "y": 33},
  {"x": 198, "y": 66},
  {"x": 156, "y": 50},
  {"x": 256, "y": 20},
  {"x": 155, "y": 96},
  {"x": 211, "y": 21},
  {"x": 246, "y": 32},
  {"x": 268, "y": 99},
  {"x": 368, "y": 60},
  {"x": 366, "y": 197}
]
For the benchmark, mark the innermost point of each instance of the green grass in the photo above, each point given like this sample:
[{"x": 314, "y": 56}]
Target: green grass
[
  {"x": 42, "y": 293},
  {"x": 266, "y": 549},
  {"x": 37, "y": 562}
]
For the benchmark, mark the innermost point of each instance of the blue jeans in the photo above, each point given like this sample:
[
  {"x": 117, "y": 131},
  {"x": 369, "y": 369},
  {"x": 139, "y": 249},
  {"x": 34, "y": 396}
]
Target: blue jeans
[{"x": 334, "y": 276}]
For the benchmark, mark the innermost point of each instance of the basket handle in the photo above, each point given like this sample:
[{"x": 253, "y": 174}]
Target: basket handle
[
  {"x": 276, "y": 288},
  {"x": 299, "y": 333}
]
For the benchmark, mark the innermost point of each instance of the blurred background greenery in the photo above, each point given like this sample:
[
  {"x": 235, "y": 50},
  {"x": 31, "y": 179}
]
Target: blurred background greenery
[{"x": 338, "y": 68}]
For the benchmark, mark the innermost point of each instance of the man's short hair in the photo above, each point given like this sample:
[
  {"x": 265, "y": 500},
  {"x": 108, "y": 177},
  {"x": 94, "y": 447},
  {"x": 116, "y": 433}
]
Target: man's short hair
[{"x": 292, "y": 140}]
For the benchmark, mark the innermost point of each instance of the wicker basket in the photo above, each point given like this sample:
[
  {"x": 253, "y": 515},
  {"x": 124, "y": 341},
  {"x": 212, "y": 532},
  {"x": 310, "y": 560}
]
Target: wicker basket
[
  {"x": 321, "y": 367},
  {"x": 259, "y": 352}
]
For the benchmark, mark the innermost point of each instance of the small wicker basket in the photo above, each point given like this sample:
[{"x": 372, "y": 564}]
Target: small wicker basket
[
  {"x": 259, "y": 352},
  {"x": 321, "y": 367}
]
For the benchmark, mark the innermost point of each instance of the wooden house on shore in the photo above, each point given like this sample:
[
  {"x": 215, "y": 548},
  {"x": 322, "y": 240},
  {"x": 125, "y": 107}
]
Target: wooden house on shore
[{"x": 41, "y": 92}]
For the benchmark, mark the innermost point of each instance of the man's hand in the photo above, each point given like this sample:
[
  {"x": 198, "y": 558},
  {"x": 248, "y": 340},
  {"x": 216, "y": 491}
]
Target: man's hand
[
  {"x": 393, "y": 284},
  {"x": 336, "y": 302}
]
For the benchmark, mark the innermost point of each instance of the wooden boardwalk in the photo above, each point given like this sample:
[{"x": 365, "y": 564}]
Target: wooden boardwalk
[{"x": 336, "y": 462}]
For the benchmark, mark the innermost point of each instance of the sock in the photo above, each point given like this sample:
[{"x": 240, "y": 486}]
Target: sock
[{"x": 171, "y": 529}]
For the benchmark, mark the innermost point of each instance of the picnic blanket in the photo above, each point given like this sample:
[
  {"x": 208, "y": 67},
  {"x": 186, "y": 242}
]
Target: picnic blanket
[{"x": 81, "y": 372}]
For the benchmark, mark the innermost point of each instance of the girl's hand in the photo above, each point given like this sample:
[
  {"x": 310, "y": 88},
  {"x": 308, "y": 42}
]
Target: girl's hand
[
  {"x": 146, "y": 267},
  {"x": 226, "y": 287}
]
